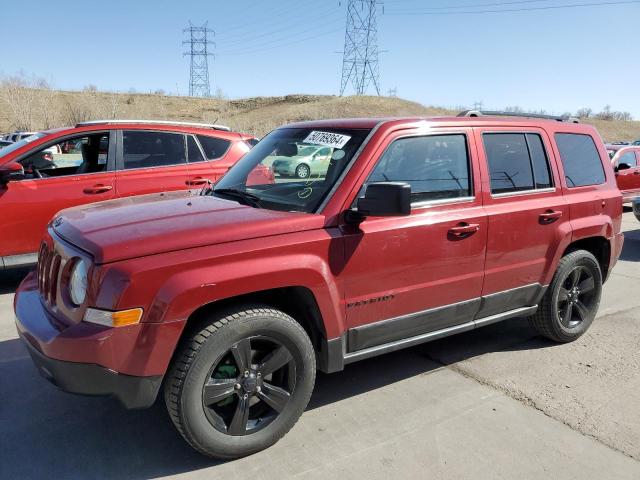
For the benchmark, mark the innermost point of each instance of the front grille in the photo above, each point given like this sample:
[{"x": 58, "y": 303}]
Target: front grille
[{"x": 48, "y": 273}]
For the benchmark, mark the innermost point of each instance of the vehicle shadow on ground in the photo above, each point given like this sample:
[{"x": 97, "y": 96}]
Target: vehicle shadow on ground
[{"x": 48, "y": 433}]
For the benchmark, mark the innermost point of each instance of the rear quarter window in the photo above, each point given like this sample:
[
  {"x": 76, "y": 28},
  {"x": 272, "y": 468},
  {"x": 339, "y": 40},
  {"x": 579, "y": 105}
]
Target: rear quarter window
[
  {"x": 580, "y": 160},
  {"x": 213, "y": 147}
]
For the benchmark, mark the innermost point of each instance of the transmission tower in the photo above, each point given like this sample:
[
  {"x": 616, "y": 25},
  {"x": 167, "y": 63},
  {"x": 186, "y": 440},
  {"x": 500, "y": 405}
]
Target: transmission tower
[
  {"x": 360, "y": 55},
  {"x": 198, "y": 51}
]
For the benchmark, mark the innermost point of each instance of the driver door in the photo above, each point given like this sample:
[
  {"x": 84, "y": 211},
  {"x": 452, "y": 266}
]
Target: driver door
[
  {"x": 407, "y": 276},
  {"x": 71, "y": 172}
]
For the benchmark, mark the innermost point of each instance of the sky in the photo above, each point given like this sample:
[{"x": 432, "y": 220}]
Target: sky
[{"x": 444, "y": 53}]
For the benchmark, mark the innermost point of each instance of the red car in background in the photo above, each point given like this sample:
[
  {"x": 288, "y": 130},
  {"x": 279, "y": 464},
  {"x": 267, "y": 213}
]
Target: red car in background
[
  {"x": 103, "y": 160},
  {"x": 626, "y": 163}
]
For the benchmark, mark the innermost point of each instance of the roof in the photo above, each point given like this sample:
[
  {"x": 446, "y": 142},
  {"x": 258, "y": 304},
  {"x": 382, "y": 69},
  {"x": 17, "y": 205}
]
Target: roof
[
  {"x": 484, "y": 120},
  {"x": 155, "y": 122}
]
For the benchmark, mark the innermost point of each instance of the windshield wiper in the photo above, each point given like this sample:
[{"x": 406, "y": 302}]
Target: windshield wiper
[{"x": 248, "y": 198}]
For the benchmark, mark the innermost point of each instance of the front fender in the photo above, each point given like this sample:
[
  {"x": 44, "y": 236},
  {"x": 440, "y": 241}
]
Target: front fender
[{"x": 185, "y": 292}]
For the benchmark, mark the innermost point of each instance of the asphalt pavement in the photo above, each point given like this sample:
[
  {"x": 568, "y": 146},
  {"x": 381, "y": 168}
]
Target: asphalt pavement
[{"x": 495, "y": 403}]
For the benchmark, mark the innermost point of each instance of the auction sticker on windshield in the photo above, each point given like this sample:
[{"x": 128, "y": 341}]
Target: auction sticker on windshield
[{"x": 327, "y": 139}]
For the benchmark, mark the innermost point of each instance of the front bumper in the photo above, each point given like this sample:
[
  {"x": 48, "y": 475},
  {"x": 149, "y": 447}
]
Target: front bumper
[
  {"x": 88, "y": 379},
  {"x": 125, "y": 362}
]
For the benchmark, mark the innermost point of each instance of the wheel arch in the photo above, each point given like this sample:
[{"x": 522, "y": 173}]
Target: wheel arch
[
  {"x": 599, "y": 247},
  {"x": 299, "y": 302}
]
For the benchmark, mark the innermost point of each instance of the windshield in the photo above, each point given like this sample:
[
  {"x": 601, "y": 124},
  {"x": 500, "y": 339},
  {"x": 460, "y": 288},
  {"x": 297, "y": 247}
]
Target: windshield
[
  {"x": 15, "y": 146},
  {"x": 279, "y": 174}
]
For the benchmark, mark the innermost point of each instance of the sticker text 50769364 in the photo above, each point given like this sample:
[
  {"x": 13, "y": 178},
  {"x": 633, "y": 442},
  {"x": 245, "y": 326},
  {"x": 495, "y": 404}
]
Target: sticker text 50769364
[{"x": 327, "y": 139}]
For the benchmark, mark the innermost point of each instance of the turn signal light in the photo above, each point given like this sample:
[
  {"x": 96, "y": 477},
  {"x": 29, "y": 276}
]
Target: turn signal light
[{"x": 113, "y": 319}]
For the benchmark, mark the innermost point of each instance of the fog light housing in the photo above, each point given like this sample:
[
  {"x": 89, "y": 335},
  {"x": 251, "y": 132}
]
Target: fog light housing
[{"x": 113, "y": 319}]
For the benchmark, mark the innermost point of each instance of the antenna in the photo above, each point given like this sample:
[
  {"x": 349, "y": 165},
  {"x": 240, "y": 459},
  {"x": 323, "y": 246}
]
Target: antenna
[
  {"x": 360, "y": 55},
  {"x": 199, "y": 73}
]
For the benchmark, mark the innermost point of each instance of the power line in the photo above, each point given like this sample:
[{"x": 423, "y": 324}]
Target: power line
[
  {"x": 198, "y": 51},
  {"x": 360, "y": 54},
  {"x": 523, "y": 9},
  {"x": 328, "y": 19},
  {"x": 471, "y": 5},
  {"x": 297, "y": 37}
]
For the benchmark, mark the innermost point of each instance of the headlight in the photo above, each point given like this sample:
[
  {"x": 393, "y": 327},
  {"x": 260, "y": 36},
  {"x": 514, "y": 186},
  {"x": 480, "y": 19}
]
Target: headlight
[{"x": 78, "y": 282}]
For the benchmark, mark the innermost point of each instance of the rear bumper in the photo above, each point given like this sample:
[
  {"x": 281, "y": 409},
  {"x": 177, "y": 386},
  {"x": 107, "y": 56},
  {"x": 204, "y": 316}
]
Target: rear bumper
[
  {"x": 616, "y": 250},
  {"x": 88, "y": 379}
]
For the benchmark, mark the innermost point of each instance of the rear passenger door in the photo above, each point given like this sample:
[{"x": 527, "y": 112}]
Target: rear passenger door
[
  {"x": 151, "y": 161},
  {"x": 207, "y": 159},
  {"x": 528, "y": 216}
]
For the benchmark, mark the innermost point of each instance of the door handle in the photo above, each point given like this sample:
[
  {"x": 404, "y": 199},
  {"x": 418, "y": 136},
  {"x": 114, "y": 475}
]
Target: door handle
[
  {"x": 99, "y": 188},
  {"x": 550, "y": 216},
  {"x": 463, "y": 230},
  {"x": 197, "y": 181}
]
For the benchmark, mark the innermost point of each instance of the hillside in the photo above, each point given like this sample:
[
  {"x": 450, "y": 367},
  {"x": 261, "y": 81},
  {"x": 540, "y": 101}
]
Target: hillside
[{"x": 39, "y": 109}]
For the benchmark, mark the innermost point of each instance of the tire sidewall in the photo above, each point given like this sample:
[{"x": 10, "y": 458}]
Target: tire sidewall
[
  {"x": 196, "y": 424},
  {"x": 585, "y": 260}
]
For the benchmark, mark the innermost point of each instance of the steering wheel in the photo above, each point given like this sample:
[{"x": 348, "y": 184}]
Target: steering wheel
[{"x": 36, "y": 172}]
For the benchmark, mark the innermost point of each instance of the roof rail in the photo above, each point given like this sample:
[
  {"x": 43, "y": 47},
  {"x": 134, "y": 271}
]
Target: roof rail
[
  {"x": 154, "y": 122},
  {"x": 491, "y": 113}
]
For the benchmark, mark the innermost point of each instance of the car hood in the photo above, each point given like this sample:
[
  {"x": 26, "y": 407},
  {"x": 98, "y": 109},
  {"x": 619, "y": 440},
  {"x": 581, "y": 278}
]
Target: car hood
[{"x": 150, "y": 224}]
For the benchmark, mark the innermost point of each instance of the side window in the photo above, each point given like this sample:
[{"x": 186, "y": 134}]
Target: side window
[
  {"x": 195, "y": 155},
  {"x": 143, "y": 149},
  {"x": 213, "y": 147},
  {"x": 539, "y": 160},
  {"x": 436, "y": 166},
  {"x": 72, "y": 156},
  {"x": 580, "y": 159},
  {"x": 509, "y": 162},
  {"x": 629, "y": 158}
]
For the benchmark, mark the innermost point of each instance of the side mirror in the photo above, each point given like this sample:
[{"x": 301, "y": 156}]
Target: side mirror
[
  {"x": 385, "y": 199},
  {"x": 11, "y": 171},
  {"x": 623, "y": 166}
]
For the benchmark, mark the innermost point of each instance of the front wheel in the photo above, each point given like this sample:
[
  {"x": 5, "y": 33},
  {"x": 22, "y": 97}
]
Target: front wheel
[
  {"x": 241, "y": 382},
  {"x": 572, "y": 300}
]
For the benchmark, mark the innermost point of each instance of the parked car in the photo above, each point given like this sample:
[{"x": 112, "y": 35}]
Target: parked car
[
  {"x": 636, "y": 207},
  {"x": 17, "y": 136},
  {"x": 626, "y": 163},
  {"x": 230, "y": 300},
  {"x": 308, "y": 161},
  {"x": 102, "y": 160}
]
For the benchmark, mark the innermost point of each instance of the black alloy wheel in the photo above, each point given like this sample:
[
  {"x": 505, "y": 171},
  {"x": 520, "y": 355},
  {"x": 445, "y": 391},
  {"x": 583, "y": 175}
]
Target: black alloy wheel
[
  {"x": 576, "y": 297},
  {"x": 249, "y": 386}
]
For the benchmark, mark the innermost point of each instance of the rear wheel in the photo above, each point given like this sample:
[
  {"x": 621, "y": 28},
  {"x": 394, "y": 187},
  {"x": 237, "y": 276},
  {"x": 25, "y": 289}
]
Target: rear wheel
[
  {"x": 241, "y": 382},
  {"x": 572, "y": 300}
]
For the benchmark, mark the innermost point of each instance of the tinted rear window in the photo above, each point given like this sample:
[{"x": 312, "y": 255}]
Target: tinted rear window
[
  {"x": 580, "y": 159},
  {"x": 213, "y": 147}
]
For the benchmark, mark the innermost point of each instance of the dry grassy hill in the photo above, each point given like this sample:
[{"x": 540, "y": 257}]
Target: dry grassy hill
[{"x": 39, "y": 109}]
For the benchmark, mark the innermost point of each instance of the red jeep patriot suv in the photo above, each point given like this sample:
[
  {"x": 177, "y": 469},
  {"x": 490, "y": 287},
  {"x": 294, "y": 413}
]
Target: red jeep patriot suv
[{"x": 229, "y": 300}]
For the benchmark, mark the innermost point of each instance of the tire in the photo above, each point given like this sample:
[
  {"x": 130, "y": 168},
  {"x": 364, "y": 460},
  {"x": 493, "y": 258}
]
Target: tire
[
  {"x": 554, "y": 319},
  {"x": 303, "y": 171},
  {"x": 213, "y": 355}
]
